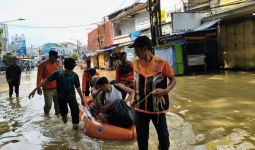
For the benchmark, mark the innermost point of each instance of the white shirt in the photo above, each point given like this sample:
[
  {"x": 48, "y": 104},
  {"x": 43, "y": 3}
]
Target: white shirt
[{"x": 113, "y": 95}]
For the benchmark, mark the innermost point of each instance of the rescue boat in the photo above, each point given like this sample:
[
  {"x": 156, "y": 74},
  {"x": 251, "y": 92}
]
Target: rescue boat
[{"x": 94, "y": 128}]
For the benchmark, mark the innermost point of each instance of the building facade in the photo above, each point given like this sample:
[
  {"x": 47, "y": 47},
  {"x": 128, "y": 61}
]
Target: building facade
[{"x": 68, "y": 48}]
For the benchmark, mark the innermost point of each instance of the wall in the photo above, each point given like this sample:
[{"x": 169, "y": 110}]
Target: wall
[
  {"x": 103, "y": 33},
  {"x": 142, "y": 20},
  {"x": 123, "y": 27},
  {"x": 237, "y": 44},
  {"x": 92, "y": 40},
  {"x": 227, "y": 5}
]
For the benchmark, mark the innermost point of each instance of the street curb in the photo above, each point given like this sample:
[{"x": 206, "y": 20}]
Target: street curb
[{"x": 2, "y": 72}]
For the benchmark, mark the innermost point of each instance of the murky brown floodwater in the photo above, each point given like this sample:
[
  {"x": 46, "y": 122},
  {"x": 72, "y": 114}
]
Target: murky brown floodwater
[
  {"x": 213, "y": 101},
  {"x": 207, "y": 101}
]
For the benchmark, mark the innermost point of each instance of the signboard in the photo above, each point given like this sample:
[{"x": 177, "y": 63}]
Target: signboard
[
  {"x": 186, "y": 22},
  {"x": 20, "y": 44},
  {"x": 168, "y": 7}
]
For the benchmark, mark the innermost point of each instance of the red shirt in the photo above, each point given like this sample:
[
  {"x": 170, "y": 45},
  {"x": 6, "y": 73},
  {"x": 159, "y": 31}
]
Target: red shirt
[
  {"x": 44, "y": 70},
  {"x": 126, "y": 78}
]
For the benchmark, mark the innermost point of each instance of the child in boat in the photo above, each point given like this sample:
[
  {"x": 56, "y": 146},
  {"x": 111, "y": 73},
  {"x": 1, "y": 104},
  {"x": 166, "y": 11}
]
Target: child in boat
[
  {"x": 67, "y": 81},
  {"x": 109, "y": 94}
]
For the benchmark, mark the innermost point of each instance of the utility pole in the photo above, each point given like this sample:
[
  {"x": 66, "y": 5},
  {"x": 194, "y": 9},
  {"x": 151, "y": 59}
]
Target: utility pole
[{"x": 155, "y": 20}]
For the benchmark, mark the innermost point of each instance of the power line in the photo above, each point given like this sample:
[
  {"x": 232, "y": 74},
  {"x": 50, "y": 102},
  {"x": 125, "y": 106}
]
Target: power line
[
  {"x": 120, "y": 5},
  {"x": 45, "y": 27}
]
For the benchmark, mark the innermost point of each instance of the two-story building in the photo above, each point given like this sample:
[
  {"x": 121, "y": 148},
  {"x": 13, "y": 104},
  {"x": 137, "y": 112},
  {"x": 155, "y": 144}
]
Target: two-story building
[
  {"x": 99, "y": 44},
  {"x": 68, "y": 48},
  {"x": 52, "y": 46}
]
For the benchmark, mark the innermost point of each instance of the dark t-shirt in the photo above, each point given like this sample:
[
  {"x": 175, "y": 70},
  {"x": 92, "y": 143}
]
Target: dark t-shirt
[
  {"x": 66, "y": 82},
  {"x": 13, "y": 72}
]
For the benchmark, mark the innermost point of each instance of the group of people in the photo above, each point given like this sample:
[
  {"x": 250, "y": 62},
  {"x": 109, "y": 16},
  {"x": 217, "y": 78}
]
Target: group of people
[{"x": 147, "y": 81}]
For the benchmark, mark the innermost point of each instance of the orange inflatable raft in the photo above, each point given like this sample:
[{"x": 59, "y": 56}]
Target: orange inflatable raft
[{"x": 96, "y": 129}]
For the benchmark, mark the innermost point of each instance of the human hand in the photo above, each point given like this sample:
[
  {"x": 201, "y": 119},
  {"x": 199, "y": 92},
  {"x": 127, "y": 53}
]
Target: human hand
[
  {"x": 159, "y": 92},
  {"x": 31, "y": 95},
  {"x": 82, "y": 101},
  {"x": 39, "y": 91}
]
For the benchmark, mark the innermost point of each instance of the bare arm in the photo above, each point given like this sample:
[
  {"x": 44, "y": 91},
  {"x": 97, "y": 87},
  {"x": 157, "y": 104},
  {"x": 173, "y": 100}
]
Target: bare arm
[
  {"x": 171, "y": 84},
  {"x": 81, "y": 96},
  {"x": 131, "y": 93},
  {"x": 31, "y": 95},
  {"x": 162, "y": 92}
]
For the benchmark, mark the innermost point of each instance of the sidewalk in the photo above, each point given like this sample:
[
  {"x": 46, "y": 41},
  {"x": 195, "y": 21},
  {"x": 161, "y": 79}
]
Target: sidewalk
[{"x": 2, "y": 72}]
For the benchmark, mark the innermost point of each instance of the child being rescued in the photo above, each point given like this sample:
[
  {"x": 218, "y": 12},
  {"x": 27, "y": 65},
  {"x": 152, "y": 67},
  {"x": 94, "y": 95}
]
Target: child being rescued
[{"x": 112, "y": 108}]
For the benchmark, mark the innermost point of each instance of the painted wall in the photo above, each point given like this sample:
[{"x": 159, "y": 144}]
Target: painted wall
[
  {"x": 142, "y": 20},
  {"x": 103, "y": 34}
]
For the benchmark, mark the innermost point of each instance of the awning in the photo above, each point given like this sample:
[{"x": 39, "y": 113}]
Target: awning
[
  {"x": 89, "y": 54},
  {"x": 207, "y": 25},
  {"x": 106, "y": 49},
  {"x": 125, "y": 44},
  {"x": 134, "y": 35}
]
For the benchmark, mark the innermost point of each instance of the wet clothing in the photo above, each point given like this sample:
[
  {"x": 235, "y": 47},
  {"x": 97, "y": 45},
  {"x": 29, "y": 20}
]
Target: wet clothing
[
  {"x": 13, "y": 75},
  {"x": 112, "y": 96},
  {"x": 125, "y": 74},
  {"x": 142, "y": 122},
  {"x": 50, "y": 95},
  {"x": 49, "y": 90},
  {"x": 149, "y": 76},
  {"x": 73, "y": 105},
  {"x": 11, "y": 85},
  {"x": 44, "y": 70},
  {"x": 66, "y": 82}
]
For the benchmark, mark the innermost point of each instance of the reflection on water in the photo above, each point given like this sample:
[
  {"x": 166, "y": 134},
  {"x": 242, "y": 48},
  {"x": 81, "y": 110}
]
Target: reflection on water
[
  {"x": 213, "y": 101},
  {"x": 209, "y": 102}
]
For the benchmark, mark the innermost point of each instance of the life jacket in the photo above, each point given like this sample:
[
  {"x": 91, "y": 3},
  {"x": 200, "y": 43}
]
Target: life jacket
[
  {"x": 148, "y": 78},
  {"x": 125, "y": 74},
  {"x": 124, "y": 69}
]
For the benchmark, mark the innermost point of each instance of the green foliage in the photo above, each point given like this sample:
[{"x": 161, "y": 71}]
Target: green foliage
[
  {"x": 0, "y": 47},
  {"x": 74, "y": 56},
  {"x": 7, "y": 59},
  {"x": 1, "y": 31}
]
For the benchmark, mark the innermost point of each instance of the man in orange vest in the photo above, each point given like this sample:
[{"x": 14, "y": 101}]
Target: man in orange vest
[
  {"x": 87, "y": 79},
  {"x": 125, "y": 73},
  {"x": 151, "y": 74},
  {"x": 49, "y": 90}
]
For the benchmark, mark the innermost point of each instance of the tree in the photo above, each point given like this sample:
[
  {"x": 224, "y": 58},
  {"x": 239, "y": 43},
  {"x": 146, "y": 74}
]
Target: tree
[
  {"x": 74, "y": 56},
  {"x": 7, "y": 59}
]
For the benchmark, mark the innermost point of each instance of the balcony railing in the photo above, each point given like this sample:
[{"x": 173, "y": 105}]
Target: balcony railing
[{"x": 193, "y": 3}]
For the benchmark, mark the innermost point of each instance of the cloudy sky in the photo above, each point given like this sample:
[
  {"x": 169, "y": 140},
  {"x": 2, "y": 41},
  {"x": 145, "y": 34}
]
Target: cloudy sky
[{"x": 56, "y": 13}]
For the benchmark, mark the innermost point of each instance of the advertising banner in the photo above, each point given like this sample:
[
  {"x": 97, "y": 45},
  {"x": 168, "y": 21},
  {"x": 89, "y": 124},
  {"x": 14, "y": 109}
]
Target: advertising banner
[{"x": 19, "y": 43}]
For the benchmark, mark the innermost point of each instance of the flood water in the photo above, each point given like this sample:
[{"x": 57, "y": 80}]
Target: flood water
[
  {"x": 206, "y": 101},
  {"x": 223, "y": 100}
]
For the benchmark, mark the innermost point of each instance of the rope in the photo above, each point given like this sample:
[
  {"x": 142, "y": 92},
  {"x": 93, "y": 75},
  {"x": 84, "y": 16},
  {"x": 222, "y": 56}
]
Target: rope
[{"x": 143, "y": 99}]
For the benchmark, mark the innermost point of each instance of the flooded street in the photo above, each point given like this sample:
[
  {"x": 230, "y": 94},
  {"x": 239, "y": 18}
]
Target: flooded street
[
  {"x": 221, "y": 102},
  {"x": 208, "y": 102}
]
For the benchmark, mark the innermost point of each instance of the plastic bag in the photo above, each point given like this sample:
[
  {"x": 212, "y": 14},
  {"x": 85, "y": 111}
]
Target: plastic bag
[{"x": 121, "y": 114}]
